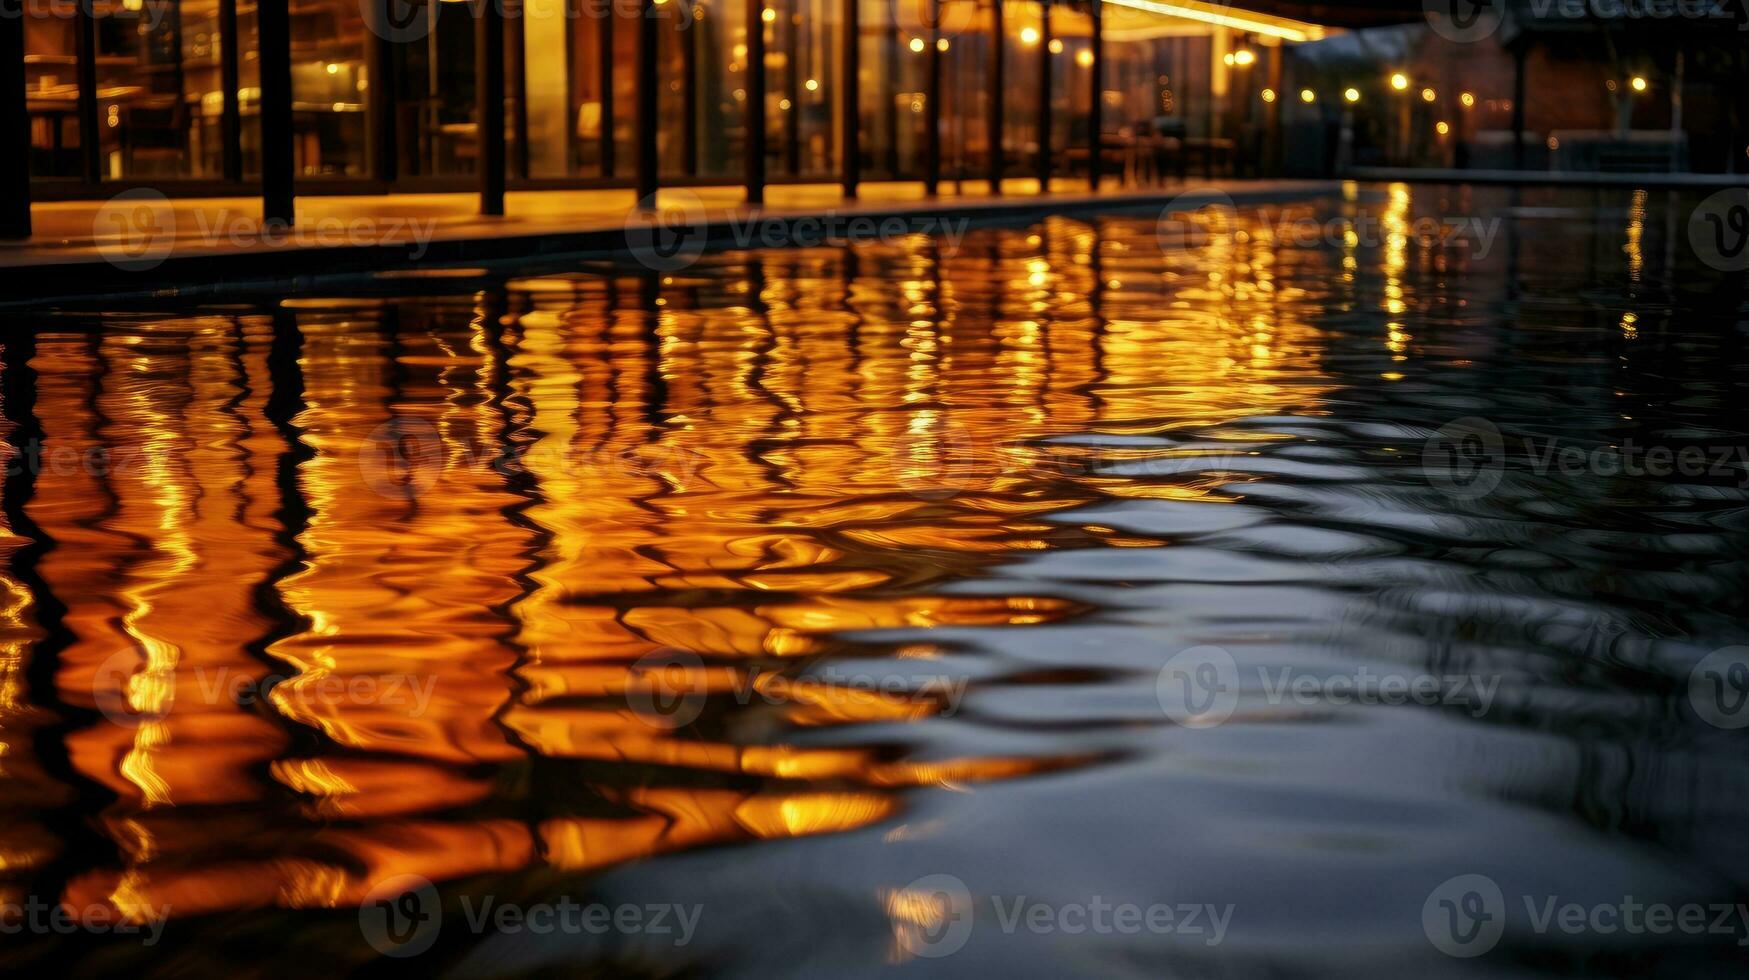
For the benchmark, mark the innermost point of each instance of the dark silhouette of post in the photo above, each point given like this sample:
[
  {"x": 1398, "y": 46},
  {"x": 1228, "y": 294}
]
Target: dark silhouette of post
[
  {"x": 851, "y": 98},
  {"x": 998, "y": 52},
  {"x": 14, "y": 125},
  {"x": 755, "y": 112},
  {"x": 932, "y": 104},
  {"x": 646, "y": 87},
  {"x": 273, "y": 26},
  {"x": 489, "y": 106},
  {"x": 1044, "y": 98},
  {"x": 1096, "y": 108}
]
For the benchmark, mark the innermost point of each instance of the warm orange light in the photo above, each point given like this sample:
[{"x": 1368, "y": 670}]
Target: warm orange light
[
  {"x": 1269, "y": 95},
  {"x": 1639, "y": 83},
  {"x": 1352, "y": 94},
  {"x": 1467, "y": 99},
  {"x": 1056, "y": 45},
  {"x": 917, "y": 45},
  {"x": 1084, "y": 58},
  {"x": 1442, "y": 128},
  {"x": 1399, "y": 81},
  {"x": 1244, "y": 56},
  {"x": 1308, "y": 96},
  {"x": 1428, "y": 95},
  {"x": 1029, "y": 35},
  {"x": 768, "y": 15}
]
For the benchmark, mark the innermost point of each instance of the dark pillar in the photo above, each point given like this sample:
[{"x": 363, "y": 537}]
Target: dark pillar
[
  {"x": 755, "y": 88},
  {"x": 1096, "y": 108},
  {"x": 90, "y": 144},
  {"x": 489, "y": 109},
  {"x": 14, "y": 125},
  {"x": 230, "y": 119},
  {"x": 647, "y": 107},
  {"x": 273, "y": 25},
  {"x": 379, "y": 56},
  {"x": 1044, "y": 98},
  {"x": 516, "y": 87},
  {"x": 998, "y": 69},
  {"x": 850, "y": 105},
  {"x": 689, "y": 97},
  {"x": 604, "y": 50},
  {"x": 932, "y": 104},
  {"x": 1518, "y": 56}
]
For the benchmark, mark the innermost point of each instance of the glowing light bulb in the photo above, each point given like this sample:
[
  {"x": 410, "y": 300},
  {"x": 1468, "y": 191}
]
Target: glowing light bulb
[
  {"x": 1029, "y": 35},
  {"x": 1442, "y": 128},
  {"x": 1308, "y": 96},
  {"x": 1399, "y": 81},
  {"x": 1269, "y": 95},
  {"x": 1428, "y": 95},
  {"x": 1639, "y": 83},
  {"x": 1352, "y": 94},
  {"x": 1467, "y": 99}
]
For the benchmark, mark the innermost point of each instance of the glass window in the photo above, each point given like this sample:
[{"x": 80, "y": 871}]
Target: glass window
[
  {"x": 330, "y": 88},
  {"x": 434, "y": 101},
  {"x": 157, "y": 77},
  {"x": 51, "y": 88},
  {"x": 894, "y": 79}
]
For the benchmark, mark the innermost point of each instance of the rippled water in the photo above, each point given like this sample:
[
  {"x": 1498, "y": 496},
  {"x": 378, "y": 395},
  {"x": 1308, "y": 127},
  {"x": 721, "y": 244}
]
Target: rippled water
[{"x": 934, "y": 606}]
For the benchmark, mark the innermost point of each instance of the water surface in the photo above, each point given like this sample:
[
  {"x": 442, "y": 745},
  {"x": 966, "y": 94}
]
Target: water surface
[{"x": 844, "y": 596}]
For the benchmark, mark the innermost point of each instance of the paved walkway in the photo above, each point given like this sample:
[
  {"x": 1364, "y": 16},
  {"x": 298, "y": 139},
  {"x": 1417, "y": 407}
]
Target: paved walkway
[{"x": 143, "y": 241}]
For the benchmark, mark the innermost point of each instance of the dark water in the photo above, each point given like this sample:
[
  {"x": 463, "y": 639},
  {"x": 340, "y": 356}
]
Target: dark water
[{"x": 1308, "y": 596}]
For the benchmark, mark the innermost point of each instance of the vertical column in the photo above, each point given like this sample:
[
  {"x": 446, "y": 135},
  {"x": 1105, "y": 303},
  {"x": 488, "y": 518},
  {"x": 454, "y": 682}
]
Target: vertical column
[
  {"x": 1518, "y": 56},
  {"x": 755, "y": 118},
  {"x": 1044, "y": 98},
  {"x": 998, "y": 69},
  {"x": 850, "y": 105},
  {"x": 689, "y": 40},
  {"x": 604, "y": 51},
  {"x": 90, "y": 143},
  {"x": 230, "y": 118},
  {"x": 379, "y": 54},
  {"x": 278, "y": 164},
  {"x": 14, "y": 125},
  {"x": 647, "y": 106},
  {"x": 932, "y": 104},
  {"x": 489, "y": 110},
  {"x": 1096, "y": 107},
  {"x": 516, "y": 86}
]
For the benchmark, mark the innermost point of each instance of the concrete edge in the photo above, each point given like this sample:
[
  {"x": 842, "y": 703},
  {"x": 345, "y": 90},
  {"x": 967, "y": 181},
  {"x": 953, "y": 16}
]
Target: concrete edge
[{"x": 300, "y": 268}]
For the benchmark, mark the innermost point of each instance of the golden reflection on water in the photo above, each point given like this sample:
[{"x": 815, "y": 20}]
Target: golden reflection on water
[{"x": 367, "y": 588}]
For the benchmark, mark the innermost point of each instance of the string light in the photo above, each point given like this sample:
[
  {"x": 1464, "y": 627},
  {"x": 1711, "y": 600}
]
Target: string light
[{"x": 1399, "y": 81}]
